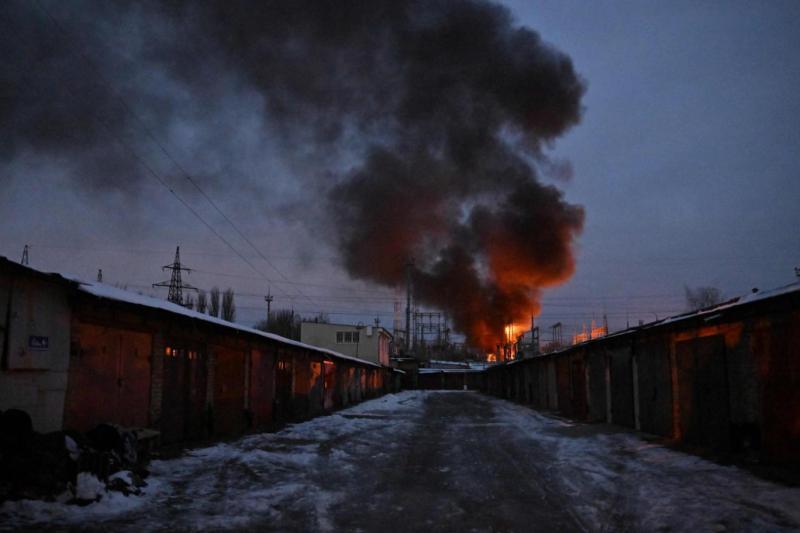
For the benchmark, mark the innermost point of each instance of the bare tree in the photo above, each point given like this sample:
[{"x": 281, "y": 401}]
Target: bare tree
[
  {"x": 202, "y": 302},
  {"x": 213, "y": 304},
  {"x": 702, "y": 297},
  {"x": 228, "y": 306},
  {"x": 321, "y": 318},
  {"x": 188, "y": 303},
  {"x": 283, "y": 322}
]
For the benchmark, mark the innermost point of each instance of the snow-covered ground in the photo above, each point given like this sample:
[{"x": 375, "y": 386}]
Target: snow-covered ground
[
  {"x": 616, "y": 480},
  {"x": 443, "y": 461},
  {"x": 234, "y": 485}
]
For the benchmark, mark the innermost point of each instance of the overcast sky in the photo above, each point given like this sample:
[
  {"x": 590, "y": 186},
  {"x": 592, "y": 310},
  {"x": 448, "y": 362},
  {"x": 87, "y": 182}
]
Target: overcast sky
[
  {"x": 688, "y": 157},
  {"x": 686, "y": 162}
]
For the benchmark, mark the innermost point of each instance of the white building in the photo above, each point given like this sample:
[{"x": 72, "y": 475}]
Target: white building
[{"x": 371, "y": 343}]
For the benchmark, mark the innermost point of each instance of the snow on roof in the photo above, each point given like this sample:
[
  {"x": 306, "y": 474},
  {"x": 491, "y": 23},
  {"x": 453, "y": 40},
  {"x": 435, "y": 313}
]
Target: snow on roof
[
  {"x": 448, "y": 370},
  {"x": 101, "y": 290},
  {"x": 443, "y": 362},
  {"x": 709, "y": 313},
  {"x": 734, "y": 302}
]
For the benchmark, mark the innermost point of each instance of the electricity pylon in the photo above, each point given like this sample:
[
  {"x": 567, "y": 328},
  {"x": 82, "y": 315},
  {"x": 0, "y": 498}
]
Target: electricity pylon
[{"x": 175, "y": 283}]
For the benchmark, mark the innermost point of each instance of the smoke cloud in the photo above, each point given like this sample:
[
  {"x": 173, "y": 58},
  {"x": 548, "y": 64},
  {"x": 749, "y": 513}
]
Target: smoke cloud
[{"x": 423, "y": 124}]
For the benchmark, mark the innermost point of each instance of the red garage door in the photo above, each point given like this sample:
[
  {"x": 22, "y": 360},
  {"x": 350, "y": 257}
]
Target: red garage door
[
  {"x": 262, "y": 386},
  {"x": 183, "y": 397},
  {"x": 229, "y": 414},
  {"x": 109, "y": 378}
]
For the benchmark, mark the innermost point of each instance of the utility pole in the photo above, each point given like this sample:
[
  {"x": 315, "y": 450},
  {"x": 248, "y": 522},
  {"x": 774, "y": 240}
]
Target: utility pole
[
  {"x": 268, "y": 298},
  {"x": 175, "y": 284},
  {"x": 409, "y": 265},
  {"x": 99, "y": 275},
  {"x": 25, "y": 256}
]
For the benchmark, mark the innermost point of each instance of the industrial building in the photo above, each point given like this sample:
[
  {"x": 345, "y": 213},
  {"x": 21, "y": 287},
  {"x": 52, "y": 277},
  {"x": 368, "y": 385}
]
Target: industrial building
[{"x": 371, "y": 343}]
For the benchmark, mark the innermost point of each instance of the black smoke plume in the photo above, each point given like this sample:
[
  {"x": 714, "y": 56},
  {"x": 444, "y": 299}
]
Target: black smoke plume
[{"x": 428, "y": 120}]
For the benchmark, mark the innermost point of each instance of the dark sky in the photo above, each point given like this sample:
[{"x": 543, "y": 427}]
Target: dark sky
[{"x": 686, "y": 162}]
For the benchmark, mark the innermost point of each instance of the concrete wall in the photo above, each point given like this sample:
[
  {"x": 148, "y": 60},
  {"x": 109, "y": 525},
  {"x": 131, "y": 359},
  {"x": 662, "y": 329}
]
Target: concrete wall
[{"x": 35, "y": 320}]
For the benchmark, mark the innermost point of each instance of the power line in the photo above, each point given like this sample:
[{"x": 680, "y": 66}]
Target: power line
[
  {"x": 166, "y": 152},
  {"x": 548, "y": 300},
  {"x": 159, "y": 251},
  {"x": 139, "y": 251},
  {"x": 144, "y": 164}
]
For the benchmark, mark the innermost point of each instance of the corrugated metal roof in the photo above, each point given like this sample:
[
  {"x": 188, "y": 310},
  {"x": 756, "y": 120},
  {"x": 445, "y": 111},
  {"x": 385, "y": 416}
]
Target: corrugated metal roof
[{"x": 708, "y": 313}]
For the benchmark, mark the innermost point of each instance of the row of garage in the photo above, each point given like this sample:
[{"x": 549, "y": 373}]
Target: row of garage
[
  {"x": 725, "y": 379},
  {"x": 76, "y": 354}
]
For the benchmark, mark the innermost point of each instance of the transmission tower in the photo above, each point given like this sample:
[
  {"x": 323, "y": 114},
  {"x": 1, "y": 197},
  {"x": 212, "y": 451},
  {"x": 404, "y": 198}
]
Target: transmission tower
[
  {"x": 99, "y": 275},
  {"x": 175, "y": 284},
  {"x": 25, "y": 256}
]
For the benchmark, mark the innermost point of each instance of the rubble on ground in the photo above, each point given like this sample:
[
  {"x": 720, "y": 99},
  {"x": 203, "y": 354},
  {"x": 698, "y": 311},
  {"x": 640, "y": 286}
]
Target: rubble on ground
[{"x": 67, "y": 466}]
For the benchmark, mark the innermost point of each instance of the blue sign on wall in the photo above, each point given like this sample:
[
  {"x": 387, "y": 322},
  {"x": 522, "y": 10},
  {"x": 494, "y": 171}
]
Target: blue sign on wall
[{"x": 38, "y": 342}]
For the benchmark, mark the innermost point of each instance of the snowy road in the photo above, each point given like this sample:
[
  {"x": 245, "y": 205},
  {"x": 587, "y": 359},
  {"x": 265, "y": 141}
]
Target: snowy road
[{"x": 435, "y": 461}]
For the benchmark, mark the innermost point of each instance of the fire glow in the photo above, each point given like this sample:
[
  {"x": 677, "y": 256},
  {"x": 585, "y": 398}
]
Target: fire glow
[{"x": 593, "y": 332}]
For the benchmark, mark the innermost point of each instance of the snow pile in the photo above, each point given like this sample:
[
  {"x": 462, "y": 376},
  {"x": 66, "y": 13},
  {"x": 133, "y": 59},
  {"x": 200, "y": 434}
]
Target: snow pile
[{"x": 16, "y": 514}]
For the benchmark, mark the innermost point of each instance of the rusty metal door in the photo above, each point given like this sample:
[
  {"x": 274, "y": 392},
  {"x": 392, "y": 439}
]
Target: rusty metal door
[
  {"x": 109, "y": 378},
  {"x": 262, "y": 380},
  {"x": 703, "y": 392},
  {"x": 283, "y": 387},
  {"x": 194, "y": 395},
  {"x": 183, "y": 397},
  {"x": 229, "y": 414},
  {"x": 578, "y": 385},
  {"x": 172, "y": 396},
  {"x": 316, "y": 389},
  {"x": 330, "y": 385}
]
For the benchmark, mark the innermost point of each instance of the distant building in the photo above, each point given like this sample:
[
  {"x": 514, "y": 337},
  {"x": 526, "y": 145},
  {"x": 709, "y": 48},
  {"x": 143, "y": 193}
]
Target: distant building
[{"x": 372, "y": 343}]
